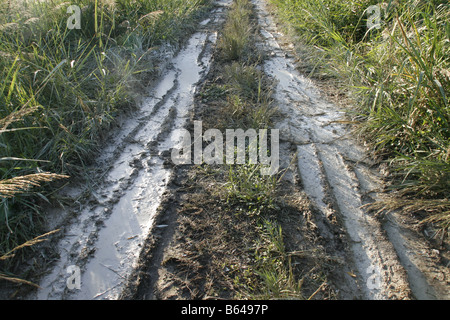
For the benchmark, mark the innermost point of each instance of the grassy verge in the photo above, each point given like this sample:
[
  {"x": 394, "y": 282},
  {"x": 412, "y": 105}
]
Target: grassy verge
[
  {"x": 398, "y": 75},
  {"x": 269, "y": 273},
  {"x": 241, "y": 235},
  {"x": 62, "y": 89}
]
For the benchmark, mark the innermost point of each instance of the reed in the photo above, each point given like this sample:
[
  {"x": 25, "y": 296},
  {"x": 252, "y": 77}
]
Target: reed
[
  {"x": 61, "y": 90},
  {"x": 399, "y": 79}
]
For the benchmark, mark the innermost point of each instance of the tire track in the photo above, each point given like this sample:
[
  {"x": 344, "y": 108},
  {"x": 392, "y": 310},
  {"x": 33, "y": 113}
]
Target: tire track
[
  {"x": 327, "y": 157},
  {"x": 105, "y": 237},
  {"x": 111, "y": 231}
]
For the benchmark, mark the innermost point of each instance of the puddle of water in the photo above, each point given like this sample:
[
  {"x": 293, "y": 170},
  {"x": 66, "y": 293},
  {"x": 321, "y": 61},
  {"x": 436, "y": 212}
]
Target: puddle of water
[
  {"x": 123, "y": 165},
  {"x": 345, "y": 189},
  {"x": 122, "y": 236},
  {"x": 428, "y": 279},
  {"x": 105, "y": 240},
  {"x": 205, "y": 22},
  {"x": 323, "y": 142},
  {"x": 311, "y": 174}
]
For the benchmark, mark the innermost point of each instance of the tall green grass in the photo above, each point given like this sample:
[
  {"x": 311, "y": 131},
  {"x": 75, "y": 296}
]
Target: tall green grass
[
  {"x": 235, "y": 41},
  {"x": 399, "y": 78},
  {"x": 61, "y": 89},
  {"x": 247, "y": 104}
]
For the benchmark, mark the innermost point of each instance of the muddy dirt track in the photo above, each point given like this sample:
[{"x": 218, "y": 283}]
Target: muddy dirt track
[{"x": 120, "y": 236}]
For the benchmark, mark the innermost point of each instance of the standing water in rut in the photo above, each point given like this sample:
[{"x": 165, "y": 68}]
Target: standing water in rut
[
  {"x": 105, "y": 239},
  {"x": 100, "y": 248}
]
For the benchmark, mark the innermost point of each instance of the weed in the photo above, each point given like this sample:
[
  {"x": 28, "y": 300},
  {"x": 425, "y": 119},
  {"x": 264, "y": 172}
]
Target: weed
[
  {"x": 399, "y": 79},
  {"x": 10, "y": 254},
  {"x": 274, "y": 265},
  {"x": 234, "y": 43},
  {"x": 62, "y": 88},
  {"x": 250, "y": 195},
  {"x": 253, "y": 191}
]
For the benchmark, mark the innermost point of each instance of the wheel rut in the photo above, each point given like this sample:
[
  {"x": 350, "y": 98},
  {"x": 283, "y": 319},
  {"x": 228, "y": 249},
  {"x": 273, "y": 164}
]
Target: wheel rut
[
  {"x": 339, "y": 178},
  {"x": 118, "y": 236},
  {"x": 101, "y": 237}
]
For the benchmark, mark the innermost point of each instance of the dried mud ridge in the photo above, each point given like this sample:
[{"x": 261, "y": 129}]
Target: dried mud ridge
[{"x": 122, "y": 238}]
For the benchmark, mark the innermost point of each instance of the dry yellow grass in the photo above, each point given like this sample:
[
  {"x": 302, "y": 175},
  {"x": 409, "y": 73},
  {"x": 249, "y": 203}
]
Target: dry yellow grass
[
  {"x": 13, "y": 186},
  {"x": 10, "y": 254}
]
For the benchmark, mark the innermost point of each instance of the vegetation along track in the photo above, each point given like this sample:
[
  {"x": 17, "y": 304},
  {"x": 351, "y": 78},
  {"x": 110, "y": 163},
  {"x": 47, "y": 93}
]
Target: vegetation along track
[
  {"x": 103, "y": 238},
  {"x": 133, "y": 209},
  {"x": 337, "y": 175}
]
